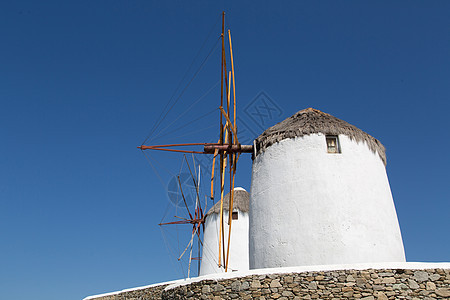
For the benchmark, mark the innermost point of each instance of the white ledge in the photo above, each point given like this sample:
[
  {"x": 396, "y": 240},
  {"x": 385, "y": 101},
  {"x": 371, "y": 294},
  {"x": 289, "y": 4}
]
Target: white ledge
[{"x": 299, "y": 269}]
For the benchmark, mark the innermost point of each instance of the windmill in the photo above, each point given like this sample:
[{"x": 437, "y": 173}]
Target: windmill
[{"x": 227, "y": 150}]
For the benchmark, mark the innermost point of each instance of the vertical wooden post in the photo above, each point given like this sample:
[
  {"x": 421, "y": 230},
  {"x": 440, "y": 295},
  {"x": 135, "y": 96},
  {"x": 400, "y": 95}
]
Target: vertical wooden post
[
  {"x": 221, "y": 121},
  {"x": 234, "y": 85},
  {"x": 232, "y": 157},
  {"x": 221, "y": 233}
]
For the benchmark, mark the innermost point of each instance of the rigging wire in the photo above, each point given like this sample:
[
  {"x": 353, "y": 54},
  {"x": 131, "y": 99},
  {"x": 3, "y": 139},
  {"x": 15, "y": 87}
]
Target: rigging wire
[
  {"x": 163, "y": 115},
  {"x": 182, "y": 79},
  {"x": 160, "y": 180},
  {"x": 208, "y": 259},
  {"x": 193, "y": 132},
  {"x": 192, "y": 121},
  {"x": 184, "y": 76},
  {"x": 182, "y": 92},
  {"x": 191, "y": 244},
  {"x": 207, "y": 256},
  {"x": 187, "y": 110},
  {"x": 169, "y": 249},
  {"x": 160, "y": 164},
  {"x": 163, "y": 232},
  {"x": 154, "y": 169},
  {"x": 169, "y": 205},
  {"x": 165, "y": 213}
]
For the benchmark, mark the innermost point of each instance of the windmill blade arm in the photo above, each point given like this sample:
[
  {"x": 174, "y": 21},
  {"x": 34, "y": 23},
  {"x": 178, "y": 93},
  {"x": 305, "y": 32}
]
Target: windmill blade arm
[
  {"x": 192, "y": 239},
  {"x": 184, "y": 200},
  {"x": 210, "y": 148},
  {"x": 229, "y": 123}
]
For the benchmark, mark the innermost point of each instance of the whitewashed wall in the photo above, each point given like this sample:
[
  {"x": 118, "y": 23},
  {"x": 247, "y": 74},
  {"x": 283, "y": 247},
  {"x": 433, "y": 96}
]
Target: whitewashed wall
[
  {"x": 238, "y": 259},
  {"x": 310, "y": 207}
]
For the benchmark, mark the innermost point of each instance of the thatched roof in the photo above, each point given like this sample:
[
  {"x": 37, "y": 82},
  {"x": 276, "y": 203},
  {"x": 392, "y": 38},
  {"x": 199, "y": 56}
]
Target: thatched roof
[
  {"x": 310, "y": 121},
  {"x": 240, "y": 201}
]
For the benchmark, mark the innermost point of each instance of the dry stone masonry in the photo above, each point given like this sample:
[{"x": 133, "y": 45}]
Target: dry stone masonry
[{"x": 370, "y": 284}]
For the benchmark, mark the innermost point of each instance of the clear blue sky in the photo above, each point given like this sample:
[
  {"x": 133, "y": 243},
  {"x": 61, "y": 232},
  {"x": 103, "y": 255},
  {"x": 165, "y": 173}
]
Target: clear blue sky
[{"x": 82, "y": 83}]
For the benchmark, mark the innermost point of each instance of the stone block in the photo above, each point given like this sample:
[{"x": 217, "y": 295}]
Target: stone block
[
  {"x": 412, "y": 284},
  {"x": 288, "y": 279},
  {"x": 236, "y": 286},
  {"x": 388, "y": 280},
  {"x": 206, "y": 289},
  {"x": 420, "y": 276},
  {"x": 431, "y": 286},
  {"x": 245, "y": 286},
  {"x": 275, "y": 283},
  {"x": 381, "y": 296},
  {"x": 443, "y": 292},
  {"x": 319, "y": 277},
  {"x": 312, "y": 285},
  {"x": 218, "y": 287},
  {"x": 275, "y": 296},
  {"x": 347, "y": 294},
  {"x": 256, "y": 284},
  {"x": 256, "y": 294},
  {"x": 400, "y": 286},
  {"x": 434, "y": 277},
  {"x": 287, "y": 294}
]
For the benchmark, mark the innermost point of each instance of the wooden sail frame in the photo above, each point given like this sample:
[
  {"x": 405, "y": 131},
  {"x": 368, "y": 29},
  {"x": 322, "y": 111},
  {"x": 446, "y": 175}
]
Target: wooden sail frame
[{"x": 227, "y": 149}]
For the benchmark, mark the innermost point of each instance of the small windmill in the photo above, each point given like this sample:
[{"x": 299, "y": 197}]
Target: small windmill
[{"x": 227, "y": 150}]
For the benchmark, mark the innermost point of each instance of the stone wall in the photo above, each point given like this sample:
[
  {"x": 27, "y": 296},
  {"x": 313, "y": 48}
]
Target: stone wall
[
  {"x": 151, "y": 293},
  {"x": 368, "y": 284}
]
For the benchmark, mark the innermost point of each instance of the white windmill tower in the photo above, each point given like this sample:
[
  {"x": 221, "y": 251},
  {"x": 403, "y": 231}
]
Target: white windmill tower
[
  {"x": 320, "y": 195},
  {"x": 238, "y": 252}
]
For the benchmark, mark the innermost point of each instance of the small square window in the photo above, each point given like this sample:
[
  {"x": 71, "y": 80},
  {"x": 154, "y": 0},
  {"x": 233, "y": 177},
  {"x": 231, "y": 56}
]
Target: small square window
[
  {"x": 333, "y": 144},
  {"x": 234, "y": 215}
]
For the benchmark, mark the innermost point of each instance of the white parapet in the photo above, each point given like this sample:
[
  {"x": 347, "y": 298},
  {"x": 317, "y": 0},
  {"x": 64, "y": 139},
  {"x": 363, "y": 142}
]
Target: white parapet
[{"x": 311, "y": 207}]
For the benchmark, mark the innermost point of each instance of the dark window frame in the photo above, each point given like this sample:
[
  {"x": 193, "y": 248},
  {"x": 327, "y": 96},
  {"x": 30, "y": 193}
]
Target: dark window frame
[{"x": 338, "y": 145}]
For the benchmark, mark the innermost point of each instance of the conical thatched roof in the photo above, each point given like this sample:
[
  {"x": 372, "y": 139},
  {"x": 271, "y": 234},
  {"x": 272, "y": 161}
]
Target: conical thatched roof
[
  {"x": 310, "y": 121},
  {"x": 240, "y": 201}
]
